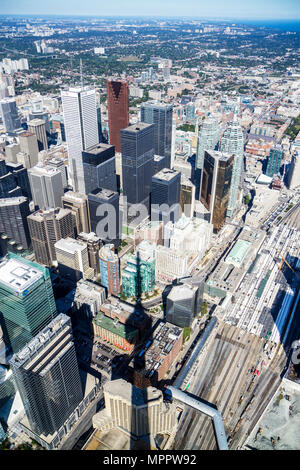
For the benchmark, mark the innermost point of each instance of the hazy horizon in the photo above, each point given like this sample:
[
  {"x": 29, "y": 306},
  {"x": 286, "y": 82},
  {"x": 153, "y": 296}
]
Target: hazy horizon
[{"x": 269, "y": 10}]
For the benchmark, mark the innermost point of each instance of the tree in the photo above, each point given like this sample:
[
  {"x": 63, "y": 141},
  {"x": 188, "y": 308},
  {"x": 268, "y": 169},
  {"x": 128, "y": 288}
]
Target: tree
[
  {"x": 247, "y": 199},
  {"x": 204, "y": 308}
]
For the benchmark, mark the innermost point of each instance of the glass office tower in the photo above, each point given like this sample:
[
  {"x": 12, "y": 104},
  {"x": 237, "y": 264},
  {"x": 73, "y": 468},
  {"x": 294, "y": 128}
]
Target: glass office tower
[
  {"x": 232, "y": 142},
  {"x": 160, "y": 115},
  {"x": 27, "y": 302},
  {"x": 137, "y": 162},
  {"x": 215, "y": 185},
  {"x": 47, "y": 376}
]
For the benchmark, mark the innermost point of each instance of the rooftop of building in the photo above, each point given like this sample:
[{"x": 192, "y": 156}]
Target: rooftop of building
[
  {"x": 11, "y": 201},
  {"x": 98, "y": 148},
  {"x": 104, "y": 194},
  {"x": 18, "y": 275},
  {"x": 165, "y": 337},
  {"x": 40, "y": 168},
  {"x": 114, "y": 326},
  {"x": 107, "y": 253},
  {"x": 166, "y": 174},
  {"x": 180, "y": 293},
  {"x": 34, "y": 347},
  {"x": 26, "y": 134},
  {"x": 36, "y": 122},
  {"x": 217, "y": 155},
  {"x": 57, "y": 213},
  {"x": 70, "y": 245},
  {"x": 238, "y": 252},
  {"x": 135, "y": 128},
  {"x": 89, "y": 237},
  {"x": 124, "y": 310},
  {"x": 74, "y": 196}
]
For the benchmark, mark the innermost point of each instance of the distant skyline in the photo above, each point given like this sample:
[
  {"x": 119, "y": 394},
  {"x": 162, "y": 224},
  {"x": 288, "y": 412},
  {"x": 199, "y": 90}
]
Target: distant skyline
[{"x": 235, "y": 9}]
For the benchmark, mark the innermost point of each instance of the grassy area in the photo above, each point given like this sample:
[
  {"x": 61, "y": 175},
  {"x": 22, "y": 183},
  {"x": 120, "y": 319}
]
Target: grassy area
[
  {"x": 293, "y": 128},
  {"x": 186, "y": 333}
]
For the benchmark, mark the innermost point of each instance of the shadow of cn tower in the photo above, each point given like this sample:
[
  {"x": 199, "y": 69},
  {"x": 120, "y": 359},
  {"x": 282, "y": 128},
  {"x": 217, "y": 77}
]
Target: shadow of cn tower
[{"x": 140, "y": 427}]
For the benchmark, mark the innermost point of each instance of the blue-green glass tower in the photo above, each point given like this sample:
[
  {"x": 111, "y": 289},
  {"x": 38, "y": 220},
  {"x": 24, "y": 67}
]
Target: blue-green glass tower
[
  {"x": 274, "y": 161},
  {"x": 27, "y": 302}
]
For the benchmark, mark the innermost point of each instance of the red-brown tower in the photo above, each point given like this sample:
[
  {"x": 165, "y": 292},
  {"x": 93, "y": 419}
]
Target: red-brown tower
[{"x": 118, "y": 110}]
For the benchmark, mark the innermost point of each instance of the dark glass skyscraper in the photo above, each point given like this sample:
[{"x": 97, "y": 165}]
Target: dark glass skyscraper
[
  {"x": 165, "y": 192},
  {"x": 215, "y": 185},
  {"x": 47, "y": 377},
  {"x": 99, "y": 168},
  {"x": 104, "y": 214},
  {"x": 118, "y": 110},
  {"x": 137, "y": 162},
  {"x": 13, "y": 221},
  {"x": 160, "y": 115}
]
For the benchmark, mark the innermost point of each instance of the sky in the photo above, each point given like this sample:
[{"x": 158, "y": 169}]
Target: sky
[{"x": 241, "y": 9}]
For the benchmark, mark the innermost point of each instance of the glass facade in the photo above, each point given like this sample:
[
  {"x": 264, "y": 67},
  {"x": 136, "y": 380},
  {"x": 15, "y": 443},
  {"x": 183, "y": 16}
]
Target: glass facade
[
  {"x": 47, "y": 377},
  {"x": 23, "y": 313},
  {"x": 274, "y": 161},
  {"x": 215, "y": 186},
  {"x": 161, "y": 116},
  {"x": 137, "y": 162}
]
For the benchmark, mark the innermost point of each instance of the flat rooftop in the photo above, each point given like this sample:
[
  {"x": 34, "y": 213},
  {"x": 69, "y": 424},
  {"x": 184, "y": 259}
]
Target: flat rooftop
[
  {"x": 70, "y": 245},
  {"x": 114, "y": 326},
  {"x": 165, "y": 174},
  {"x": 139, "y": 126},
  {"x": 103, "y": 193},
  {"x": 238, "y": 252},
  {"x": 18, "y": 276}
]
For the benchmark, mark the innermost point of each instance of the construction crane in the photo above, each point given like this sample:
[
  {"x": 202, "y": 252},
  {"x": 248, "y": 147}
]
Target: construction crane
[{"x": 283, "y": 260}]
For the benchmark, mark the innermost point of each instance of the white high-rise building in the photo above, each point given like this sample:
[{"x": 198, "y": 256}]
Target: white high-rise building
[
  {"x": 81, "y": 126},
  {"x": 232, "y": 142},
  {"x": 73, "y": 259},
  {"x": 46, "y": 186},
  {"x": 208, "y": 137},
  {"x": 293, "y": 175}
]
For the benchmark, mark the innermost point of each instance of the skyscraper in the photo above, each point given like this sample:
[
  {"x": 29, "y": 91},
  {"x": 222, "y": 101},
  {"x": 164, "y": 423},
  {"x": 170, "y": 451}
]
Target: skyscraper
[
  {"x": 165, "y": 192},
  {"x": 109, "y": 269},
  {"x": 215, "y": 185},
  {"x": 99, "y": 167},
  {"x": 59, "y": 164},
  {"x": 104, "y": 214},
  {"x": 187, "y": 196},
  {"x": 208, "y": 137},
  {"x": 27, "y": 302},
  {"x": 73, "y": 259},
  {"x": 182, "y": 305},
  {"x": 80, "y": 119},
  {"x": 21, "y": 178},
  {"x": 8, "y": 184},
  {"x": 137, "y": 415},
  {"x": 10, "y": 115},
  {"x": 13, "y": 221},
  {"x": 160, "y": 115},
  {"x": 46, "y": 186},
  {"x": 232, "y": 142},
  {"x": 46, "y": 228},
  {"x": 93, "y": 245},
  {"x": 118, "y": 110},
  {"x": 38, "y": 127},
  {"x": 47, "y": 377},
  {"x": 29, "y": 145},
  {"x": 293, "y": 176},
  {"x": 274, "y": 161},
  {"x": 78, "y": 205},
  {"x": 137, "y": 162}
]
